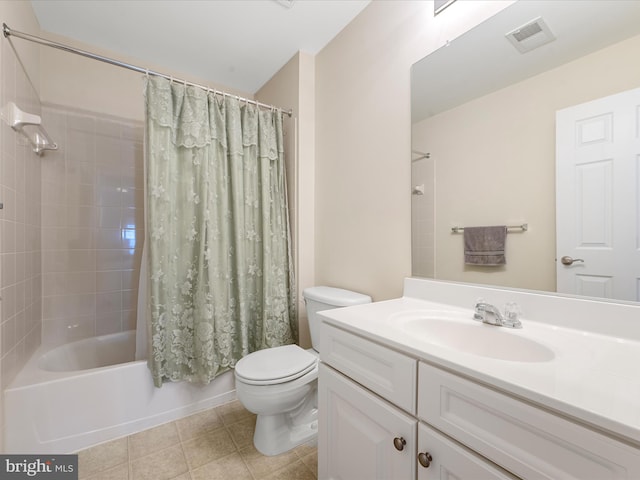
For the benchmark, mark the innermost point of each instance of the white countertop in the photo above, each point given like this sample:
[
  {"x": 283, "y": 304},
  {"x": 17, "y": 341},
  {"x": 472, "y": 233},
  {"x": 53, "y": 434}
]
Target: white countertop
[{"x": 592, "y": 377}]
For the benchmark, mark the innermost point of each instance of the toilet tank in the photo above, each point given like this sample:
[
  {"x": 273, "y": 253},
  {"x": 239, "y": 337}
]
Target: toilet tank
[{"x": 325, "y": 298}]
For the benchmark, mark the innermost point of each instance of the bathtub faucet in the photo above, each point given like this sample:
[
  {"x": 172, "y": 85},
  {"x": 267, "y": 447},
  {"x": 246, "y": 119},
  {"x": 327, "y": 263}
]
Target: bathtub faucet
[{"x": 490, "y": 314}]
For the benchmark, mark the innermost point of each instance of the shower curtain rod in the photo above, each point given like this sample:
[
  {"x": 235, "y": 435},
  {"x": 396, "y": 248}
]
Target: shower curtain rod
[{"x": 49, "y": 43}]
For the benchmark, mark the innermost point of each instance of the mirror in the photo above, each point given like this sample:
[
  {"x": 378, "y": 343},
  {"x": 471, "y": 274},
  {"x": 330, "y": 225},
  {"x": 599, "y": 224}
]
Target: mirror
[{"x": 483, "y": 131}]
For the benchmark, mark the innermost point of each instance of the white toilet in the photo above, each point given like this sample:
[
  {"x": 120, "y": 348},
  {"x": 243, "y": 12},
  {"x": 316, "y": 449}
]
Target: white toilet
[{"x": 280, "y": 384}]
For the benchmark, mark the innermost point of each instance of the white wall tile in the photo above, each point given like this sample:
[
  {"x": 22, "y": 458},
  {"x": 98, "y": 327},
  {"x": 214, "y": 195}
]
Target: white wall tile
[{"x": 86, "y": 252}]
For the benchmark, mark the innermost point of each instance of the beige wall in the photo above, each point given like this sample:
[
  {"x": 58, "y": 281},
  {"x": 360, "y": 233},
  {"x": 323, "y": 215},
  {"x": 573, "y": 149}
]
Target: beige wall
[
  {"x": 495, "y": 164},
  {"x": 19, "y": 15},
  {"x": 78, "y": 82},
  {"x": 363, "y": 138},
  {"x": 20, "y": 169}
]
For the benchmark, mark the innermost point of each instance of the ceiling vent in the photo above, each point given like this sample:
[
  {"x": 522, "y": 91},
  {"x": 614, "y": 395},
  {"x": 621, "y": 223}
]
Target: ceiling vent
[{"x": 531, "y": 35}]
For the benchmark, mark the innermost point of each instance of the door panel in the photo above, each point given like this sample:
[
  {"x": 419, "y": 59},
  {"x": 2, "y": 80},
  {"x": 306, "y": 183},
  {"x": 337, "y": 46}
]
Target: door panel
[
  {"x": 597, "y": 204},
  {"x": 357, "y": 431}
]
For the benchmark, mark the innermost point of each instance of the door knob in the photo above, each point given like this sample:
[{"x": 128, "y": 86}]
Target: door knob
[
  {"x": 425, "y": 459},
  {"x": 566, "y": 260},
  {"x": 399, "y": 443}
]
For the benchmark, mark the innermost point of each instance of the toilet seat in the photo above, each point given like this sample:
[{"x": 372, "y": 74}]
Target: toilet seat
[{"x": 273, "y": 366}]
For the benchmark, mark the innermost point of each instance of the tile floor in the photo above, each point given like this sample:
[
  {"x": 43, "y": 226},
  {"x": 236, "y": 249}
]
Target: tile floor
[{"x": 211, "y": 445}]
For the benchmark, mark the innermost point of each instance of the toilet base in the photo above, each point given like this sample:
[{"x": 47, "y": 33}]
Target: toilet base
[{"x": 276, "y": 434}]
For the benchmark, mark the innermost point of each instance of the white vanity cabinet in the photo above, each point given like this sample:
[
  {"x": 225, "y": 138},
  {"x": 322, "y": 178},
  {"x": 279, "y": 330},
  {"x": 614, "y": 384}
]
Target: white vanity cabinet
[
  {"x": 387, "y": 415},
  {"x": 363, "y": 432}
]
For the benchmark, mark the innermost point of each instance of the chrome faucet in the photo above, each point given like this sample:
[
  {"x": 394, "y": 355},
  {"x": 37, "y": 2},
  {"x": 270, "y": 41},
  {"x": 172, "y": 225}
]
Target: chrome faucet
[{"x": 490, "y": 314}]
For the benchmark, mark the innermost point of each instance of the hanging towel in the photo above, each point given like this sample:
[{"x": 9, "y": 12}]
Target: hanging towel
[{"x": 485, "y": 245}]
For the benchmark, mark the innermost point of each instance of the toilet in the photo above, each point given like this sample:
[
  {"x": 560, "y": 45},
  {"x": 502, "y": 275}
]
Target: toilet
[{"x": 280, "y": 384}]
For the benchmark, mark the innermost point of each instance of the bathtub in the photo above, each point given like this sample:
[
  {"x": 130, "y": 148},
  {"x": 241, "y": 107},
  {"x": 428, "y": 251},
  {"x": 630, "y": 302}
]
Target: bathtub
[{"x": 90, "y": 391}]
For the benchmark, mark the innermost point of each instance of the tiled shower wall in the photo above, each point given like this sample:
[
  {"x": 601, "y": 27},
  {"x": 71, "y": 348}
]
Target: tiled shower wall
[
  {"x": 423, "y": 218},
  {"x": 20, "y": 278},
  {"x": 92, "y": 225}
]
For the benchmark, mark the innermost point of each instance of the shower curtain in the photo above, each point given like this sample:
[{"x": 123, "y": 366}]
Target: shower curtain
[{"x": 219, "y": 273}]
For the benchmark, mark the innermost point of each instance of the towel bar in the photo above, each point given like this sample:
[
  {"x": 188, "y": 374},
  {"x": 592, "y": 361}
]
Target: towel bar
[{"x": 523, "y": 228}]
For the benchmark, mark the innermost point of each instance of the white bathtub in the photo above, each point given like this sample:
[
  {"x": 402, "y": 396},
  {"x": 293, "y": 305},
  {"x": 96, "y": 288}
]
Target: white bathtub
[
  {"x": 89, "y": 353},
  {"x": 91, "y": 391}
]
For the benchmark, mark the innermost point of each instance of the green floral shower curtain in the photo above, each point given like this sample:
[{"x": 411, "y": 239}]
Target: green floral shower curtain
[{"x": 220, "y": 273}]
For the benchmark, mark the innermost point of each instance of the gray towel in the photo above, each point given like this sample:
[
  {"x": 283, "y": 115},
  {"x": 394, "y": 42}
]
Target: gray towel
[{"x": 485, "y": 245}]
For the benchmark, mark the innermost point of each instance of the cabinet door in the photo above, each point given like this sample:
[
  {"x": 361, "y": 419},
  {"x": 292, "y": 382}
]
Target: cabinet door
[
  {"x": 448, "y": 460},
  {"x": 357, "y": 432}
]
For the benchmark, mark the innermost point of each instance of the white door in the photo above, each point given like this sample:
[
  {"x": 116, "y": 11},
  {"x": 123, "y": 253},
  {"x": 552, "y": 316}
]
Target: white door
[
  {"x": 597, "y": 214},
  {"x": 360, "y": 436}
]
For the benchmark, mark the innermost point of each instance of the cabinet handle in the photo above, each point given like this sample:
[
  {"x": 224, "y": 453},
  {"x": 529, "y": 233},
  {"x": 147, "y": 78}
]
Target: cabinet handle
[
  {"x": 399, "y": 443},
  {"x": 425, "y": 459}
]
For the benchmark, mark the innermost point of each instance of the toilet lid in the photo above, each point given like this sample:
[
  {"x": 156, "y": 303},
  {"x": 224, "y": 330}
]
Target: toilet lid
[{"x": 275, "y": 365}]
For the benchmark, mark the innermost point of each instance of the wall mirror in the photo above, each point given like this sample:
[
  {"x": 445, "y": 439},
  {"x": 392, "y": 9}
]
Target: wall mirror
[{"x": 484, "y": 135}]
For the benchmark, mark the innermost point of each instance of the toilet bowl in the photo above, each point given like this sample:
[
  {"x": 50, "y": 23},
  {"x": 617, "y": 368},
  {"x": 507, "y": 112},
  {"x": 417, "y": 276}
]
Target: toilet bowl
[{"x": 280, "y": 384}]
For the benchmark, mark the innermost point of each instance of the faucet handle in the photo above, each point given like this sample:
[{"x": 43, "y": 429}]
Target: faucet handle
[
  {"x": 479, "y": 313},
  {"x": 512, "y": 312}
]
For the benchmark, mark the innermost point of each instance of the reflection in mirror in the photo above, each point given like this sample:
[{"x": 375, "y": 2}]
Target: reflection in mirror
[{"x": 486, "y": 114}]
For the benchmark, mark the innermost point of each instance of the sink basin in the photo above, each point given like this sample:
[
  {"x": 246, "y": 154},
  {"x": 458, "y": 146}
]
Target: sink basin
[{"x": 473, "y": 337}]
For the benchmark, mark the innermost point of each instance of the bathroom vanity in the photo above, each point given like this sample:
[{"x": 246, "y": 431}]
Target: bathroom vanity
[{"x": 415, "y": 388}]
